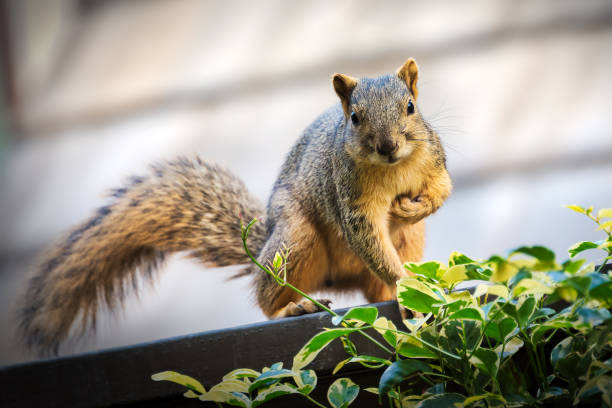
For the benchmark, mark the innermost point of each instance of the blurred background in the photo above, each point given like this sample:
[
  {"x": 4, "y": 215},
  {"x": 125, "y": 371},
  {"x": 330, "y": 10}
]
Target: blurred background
[{"x": 94, "y": 90}]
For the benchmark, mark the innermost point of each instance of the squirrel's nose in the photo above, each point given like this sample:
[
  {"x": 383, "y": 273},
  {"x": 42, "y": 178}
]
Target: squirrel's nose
[{"x": 387, "y": 147}]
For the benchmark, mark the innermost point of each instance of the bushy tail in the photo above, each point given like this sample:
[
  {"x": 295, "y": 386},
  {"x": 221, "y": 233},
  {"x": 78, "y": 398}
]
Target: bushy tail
[{"x": 183, "y": 205}]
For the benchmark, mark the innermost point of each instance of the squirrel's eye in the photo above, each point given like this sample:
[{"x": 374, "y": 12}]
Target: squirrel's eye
[
  {"x": 354, "y": 118},
  {"x": 410, "y": 109}
]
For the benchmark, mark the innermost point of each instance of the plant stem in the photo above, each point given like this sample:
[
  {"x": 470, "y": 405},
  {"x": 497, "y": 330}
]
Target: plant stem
[
  {"x": 373, "y": 340},
  {"x": 603, "y": 264},
  {"x": 535, "y": 363},
  {"x": 283, "y": 282},
  {"x": 484, "y": 329},
  {"x": 456, "y": 357},
  {"x": 314, "y": 401}
]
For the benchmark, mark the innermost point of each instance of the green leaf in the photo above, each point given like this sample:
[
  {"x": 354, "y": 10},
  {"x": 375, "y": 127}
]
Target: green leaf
[
  {"x": 448, "y": 399},
  {"x": 242, "y": 373},
  {"x": 468, "y": 313},
  {"x": 588, "y": 318},
  {"x": 275, "y": 391},
  {"x": 525, "y": 311},
  {"x": 540, "y": 253},
  {"x": 342, "y": 393},
  {"x": 487, "y": 396},
  {"x": 315, "y": 345},
  {"x": 181, "y": 379},
  {"x": 277, "y": 262},
  {"x": 366, "y": 314},
  {"x": 412, "y": 348},
  {"x": 348, "y": 346},
  {"x": 382, "y": 325},
  {"x": 398, "y": 372},
  {"x": 553, "y": 394},
  {"x": 531, "y": 287},
  {"x": 579, "y": 283},
  {"x": 486, "y": 361},
  {"x": 306, "y": 381},
  {"x": 511, "y": 347},
  {"x": 499, "y": 330},
  {"x": 561, "y": 350},
  {"x": 418, "y": 296},
  {"x": 572, "y": 267},
  {"x": 269, "y": 377},
  {"x": 568, "y": 367},
  {"x": 235, "y": 399},
  {"x": 457, "y": 258},
  {"x": 603, "y": 293},
  {"x": 430, "y": 269},
  {"x": 477, "y": 272},
  {"x": 366, "y": 361},
  {"x": 523, "y": 273},
  {"x": 597, "y": 385},
  {"x": 581, "y": 246}
]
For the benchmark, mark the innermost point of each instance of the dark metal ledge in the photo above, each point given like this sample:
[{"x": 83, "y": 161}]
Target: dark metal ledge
[{"x": 122, "y": 376}]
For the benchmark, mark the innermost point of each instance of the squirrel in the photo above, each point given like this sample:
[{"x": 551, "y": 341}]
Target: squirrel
[{"x": 349, "y": 203}]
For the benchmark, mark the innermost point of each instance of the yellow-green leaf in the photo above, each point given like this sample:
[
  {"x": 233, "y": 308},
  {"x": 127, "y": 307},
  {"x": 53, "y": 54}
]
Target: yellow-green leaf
[
  {"x": 241, "y": 373},
  {"x": 231, "y": 385},
  {"x": 277, "y": 262},
  {"x": 275, "y": 391},
  {"x": 576, "y": 208},
  {"x": 181, "y": 379},
  {"x": 342, "y": 392},
  {"x": 382, "y": 325},
  {"x": 235, "y": 399},
  {"x": 605, "y": 245},
  {"x": 454, "y": 274},
  {"x": 497, "y": 290},
  {"x": 503, "y": 270},
  {"x": 604, "y": 213},
  {"x": 531, "y": 286},
  {"x": 413, "y": 348},
  {"x": 605, "y": 225},
  {"x": 340, "y": 365},
  {"x": 416, "y": 295},
  {"x": 315, "y": 345}
]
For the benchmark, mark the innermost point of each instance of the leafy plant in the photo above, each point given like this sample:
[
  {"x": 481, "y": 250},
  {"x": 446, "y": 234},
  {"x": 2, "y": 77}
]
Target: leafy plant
[{"x": 532, "y": 332}]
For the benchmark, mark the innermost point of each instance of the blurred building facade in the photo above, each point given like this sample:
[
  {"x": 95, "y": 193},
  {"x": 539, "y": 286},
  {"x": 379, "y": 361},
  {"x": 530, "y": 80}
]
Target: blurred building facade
[{"x": 94, "y": 90}]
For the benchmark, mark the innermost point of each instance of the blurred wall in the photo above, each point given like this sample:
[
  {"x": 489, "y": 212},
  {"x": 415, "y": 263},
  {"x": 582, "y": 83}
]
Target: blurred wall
[{"x": 520, "y": 92}]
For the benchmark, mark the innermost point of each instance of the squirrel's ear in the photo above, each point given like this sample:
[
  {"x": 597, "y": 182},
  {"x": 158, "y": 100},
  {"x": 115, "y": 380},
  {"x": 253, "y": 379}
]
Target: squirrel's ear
[
  {"x": 344, "y": 85},
  {"x": 409, "y": 72}
]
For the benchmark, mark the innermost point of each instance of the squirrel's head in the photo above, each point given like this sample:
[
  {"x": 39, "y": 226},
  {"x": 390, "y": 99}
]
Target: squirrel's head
[{"x": 383, "y": 123}]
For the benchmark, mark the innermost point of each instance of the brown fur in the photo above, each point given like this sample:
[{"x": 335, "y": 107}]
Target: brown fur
[{"x": 184, "y": 205}]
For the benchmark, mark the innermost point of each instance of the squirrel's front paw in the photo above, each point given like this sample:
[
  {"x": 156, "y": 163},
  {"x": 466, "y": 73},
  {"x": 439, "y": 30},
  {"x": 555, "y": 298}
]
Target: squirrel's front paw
[
  {"x": 304, "y": 306},
  {"x": 412, "y": 209}
]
